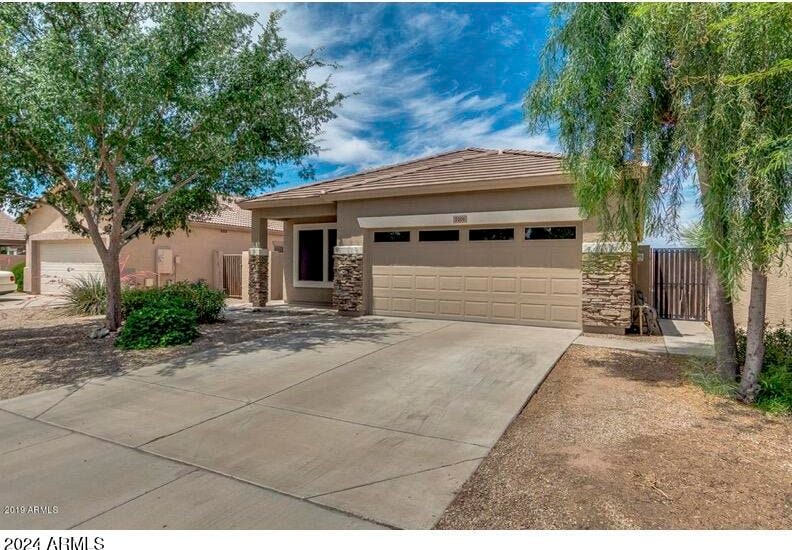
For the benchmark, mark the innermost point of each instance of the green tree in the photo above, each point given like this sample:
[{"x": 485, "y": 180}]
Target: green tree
[
  {"x": 645, "y": 95},
  {"x": 129, "y": 119},
  {"x": 752, "y": 80}
]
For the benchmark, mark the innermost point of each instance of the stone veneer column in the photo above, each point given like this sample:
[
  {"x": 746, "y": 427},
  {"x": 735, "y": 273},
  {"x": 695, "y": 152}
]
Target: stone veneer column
[
  {"x": 257, "y": 282},
  {"x": 607, "y": 288},
  {"x": 348, "y": 279}
]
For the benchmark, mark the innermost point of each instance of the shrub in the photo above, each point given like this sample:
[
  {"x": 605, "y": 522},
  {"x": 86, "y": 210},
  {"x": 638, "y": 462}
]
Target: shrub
[
  {"x": 133, "y": 299},
  {"x": 86, "y": 295},
  {"x": 158, "y": 326},
  {"x": 19, "y": 273},
  {"x": 207, "y": 303},
  {"x": 775, "y": 381}
]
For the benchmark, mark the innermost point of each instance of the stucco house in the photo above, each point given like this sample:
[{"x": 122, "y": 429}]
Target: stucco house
[
  {"x": 56, "y": 255},
  {"x": 473, "y": 234},
  {"x": 12, "y": 235}
]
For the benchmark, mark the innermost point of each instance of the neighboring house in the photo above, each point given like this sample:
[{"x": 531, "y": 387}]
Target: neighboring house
[
  {"x": 55, "y": 255},
  {"x": 474, "y": 234},
  {"x": 12, "y": 236},
  {"x": 12, "y": 242}
]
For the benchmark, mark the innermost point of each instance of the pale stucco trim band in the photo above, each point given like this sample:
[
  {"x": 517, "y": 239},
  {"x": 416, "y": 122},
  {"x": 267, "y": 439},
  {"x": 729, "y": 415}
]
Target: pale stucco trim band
[
  {"x": 537, "y": 215},
  {"x": 605, "y": 247},
  {"x": 347, "y": 250},
  {"x": 258, "y": 251}
]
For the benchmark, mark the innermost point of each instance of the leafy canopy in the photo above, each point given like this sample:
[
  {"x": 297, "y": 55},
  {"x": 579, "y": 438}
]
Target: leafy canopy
[
  {"x": 642, "y": 93},
  {"x": 129, "y": 118}
]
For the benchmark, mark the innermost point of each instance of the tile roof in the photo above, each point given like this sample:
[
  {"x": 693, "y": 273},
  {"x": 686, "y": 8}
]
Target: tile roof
[
  {"x": 464, "y": 165},
  {"x": 231, "y": 214},
  {"x": 10, "y": 230}
]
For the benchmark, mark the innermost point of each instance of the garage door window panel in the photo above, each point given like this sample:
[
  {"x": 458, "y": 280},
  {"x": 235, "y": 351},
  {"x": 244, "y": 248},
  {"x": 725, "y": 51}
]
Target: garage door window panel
[
  {"x": 550, "y": 233},
  {"x": 313, "y": 254},
  {"x": 391, "y": 236},
  {"x": 440, "y": 235},
  {"x": 492, "y": 234}
]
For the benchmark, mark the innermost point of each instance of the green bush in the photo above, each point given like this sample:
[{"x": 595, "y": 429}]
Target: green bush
[
  {"x": 86, "y": 295},
  {"x": 207, "y": 303},
  {"x": 133, "y": 299},
  {"x": 19, "y": 273},
  {"x": 775, "y": 381},
  {"x": 158, "y": 325}
]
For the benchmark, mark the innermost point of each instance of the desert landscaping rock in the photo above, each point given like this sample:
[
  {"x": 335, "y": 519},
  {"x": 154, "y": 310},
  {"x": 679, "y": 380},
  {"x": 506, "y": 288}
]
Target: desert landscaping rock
[{"x": 617, "y": 440}]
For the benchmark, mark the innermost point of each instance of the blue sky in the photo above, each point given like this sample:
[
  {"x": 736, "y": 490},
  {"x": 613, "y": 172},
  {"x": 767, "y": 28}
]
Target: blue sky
[{"x": 426, "y": 78}]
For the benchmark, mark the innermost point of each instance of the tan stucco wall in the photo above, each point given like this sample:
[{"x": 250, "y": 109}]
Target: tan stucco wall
[
  {"x": 194, "y": 250},
  {"x": 44, "y": 219},
  {"x": 779, "y": 296},
  {"x": 192, "y": 253},
  {"x": 644, "y": 273},
  {"x": 350, "y": 233}
]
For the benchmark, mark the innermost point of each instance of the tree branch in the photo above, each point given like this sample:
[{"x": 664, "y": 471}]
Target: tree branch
[{"x": 158, "y": 203}]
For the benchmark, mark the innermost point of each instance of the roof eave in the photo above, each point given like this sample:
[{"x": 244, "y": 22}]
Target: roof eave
[
  {"x": 263, "y": 202},
  {"x": 215, "y": 225},
  {"x": 460, "y": 186}
]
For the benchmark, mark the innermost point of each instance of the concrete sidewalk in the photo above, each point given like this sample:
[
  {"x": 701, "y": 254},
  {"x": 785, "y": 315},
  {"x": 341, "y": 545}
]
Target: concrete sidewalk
[
  {"x": 687, "y": 337},
  {"x": 20, "y": 300},
  {"x": 342, "y": 424},
  {"x": 692, "y": 338}
]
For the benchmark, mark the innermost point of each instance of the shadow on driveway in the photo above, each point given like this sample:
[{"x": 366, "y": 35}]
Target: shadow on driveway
[
  {"x": 297, "y": 332},
  {"x": 42, "y": 350}
]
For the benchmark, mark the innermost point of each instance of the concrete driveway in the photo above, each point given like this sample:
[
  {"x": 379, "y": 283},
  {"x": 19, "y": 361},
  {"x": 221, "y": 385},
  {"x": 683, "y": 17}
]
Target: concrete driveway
[
  {"x": 346, "y": 423},
  {"x": 20, "y": 300}
]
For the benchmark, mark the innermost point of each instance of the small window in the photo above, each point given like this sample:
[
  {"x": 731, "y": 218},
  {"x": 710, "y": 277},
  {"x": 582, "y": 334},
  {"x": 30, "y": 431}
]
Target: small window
[
  {"x": 496, "y": 234},
  {"x": 439, "y": 235},
  {"x": 310, "y": 255},
  {"x": 313, "y": 246},
  {"x": 544, "y": 233},
  {"x": 391, "y": 236}
]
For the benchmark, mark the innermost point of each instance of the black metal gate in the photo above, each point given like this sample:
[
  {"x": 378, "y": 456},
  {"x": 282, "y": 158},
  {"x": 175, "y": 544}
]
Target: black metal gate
[{"x": 680, "y": 284}]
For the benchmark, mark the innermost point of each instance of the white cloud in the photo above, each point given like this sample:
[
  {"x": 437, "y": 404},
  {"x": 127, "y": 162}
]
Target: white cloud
[
  {"x": 435, "y": 25},
  {"x": 396, "y": 111},
  {"x": 508, "y": 34}
]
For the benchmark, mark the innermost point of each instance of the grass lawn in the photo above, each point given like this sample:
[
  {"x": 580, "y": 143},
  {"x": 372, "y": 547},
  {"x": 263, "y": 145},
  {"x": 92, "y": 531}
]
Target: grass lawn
[{"x": 620, "y": 440}]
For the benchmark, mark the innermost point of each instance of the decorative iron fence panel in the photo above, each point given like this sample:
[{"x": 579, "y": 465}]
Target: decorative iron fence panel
[
  {"x": 232, "y": 275},
  {"x": 680, "y": 284}
]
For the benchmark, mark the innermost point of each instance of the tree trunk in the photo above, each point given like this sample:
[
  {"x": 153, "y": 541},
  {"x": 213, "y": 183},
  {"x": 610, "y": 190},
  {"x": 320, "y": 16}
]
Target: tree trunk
[
  {"x": 754, "y": 348},
  {"x": 722, "y": 328},
  {"x": 720, "y": 304},
  {"x": 112, "y": 271}
]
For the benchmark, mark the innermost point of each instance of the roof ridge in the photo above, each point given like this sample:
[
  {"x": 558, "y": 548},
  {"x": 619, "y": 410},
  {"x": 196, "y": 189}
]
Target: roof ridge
[
  {"x": 370, "y": 170},
  {"x": 528, "y": 152},
  {"x": 482, "y": 153}
]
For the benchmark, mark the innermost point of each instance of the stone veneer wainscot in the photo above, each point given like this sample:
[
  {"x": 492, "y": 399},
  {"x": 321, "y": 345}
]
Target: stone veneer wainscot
[
  {"x": 607, "y": 289},
  {"x": 257, "y": 283},
  {"x": 348, "y": 279}
]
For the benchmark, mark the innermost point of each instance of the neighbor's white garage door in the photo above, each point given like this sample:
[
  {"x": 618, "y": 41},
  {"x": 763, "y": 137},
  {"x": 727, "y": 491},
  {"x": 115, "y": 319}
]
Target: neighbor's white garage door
[
  {"x": 519, "y": 281},
  {"x": 63, "y": 261}
]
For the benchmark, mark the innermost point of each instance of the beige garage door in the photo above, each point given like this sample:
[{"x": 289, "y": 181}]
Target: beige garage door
[
  {"x": 519, "y": 281},
  {"x": 63, "y": 261}
]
